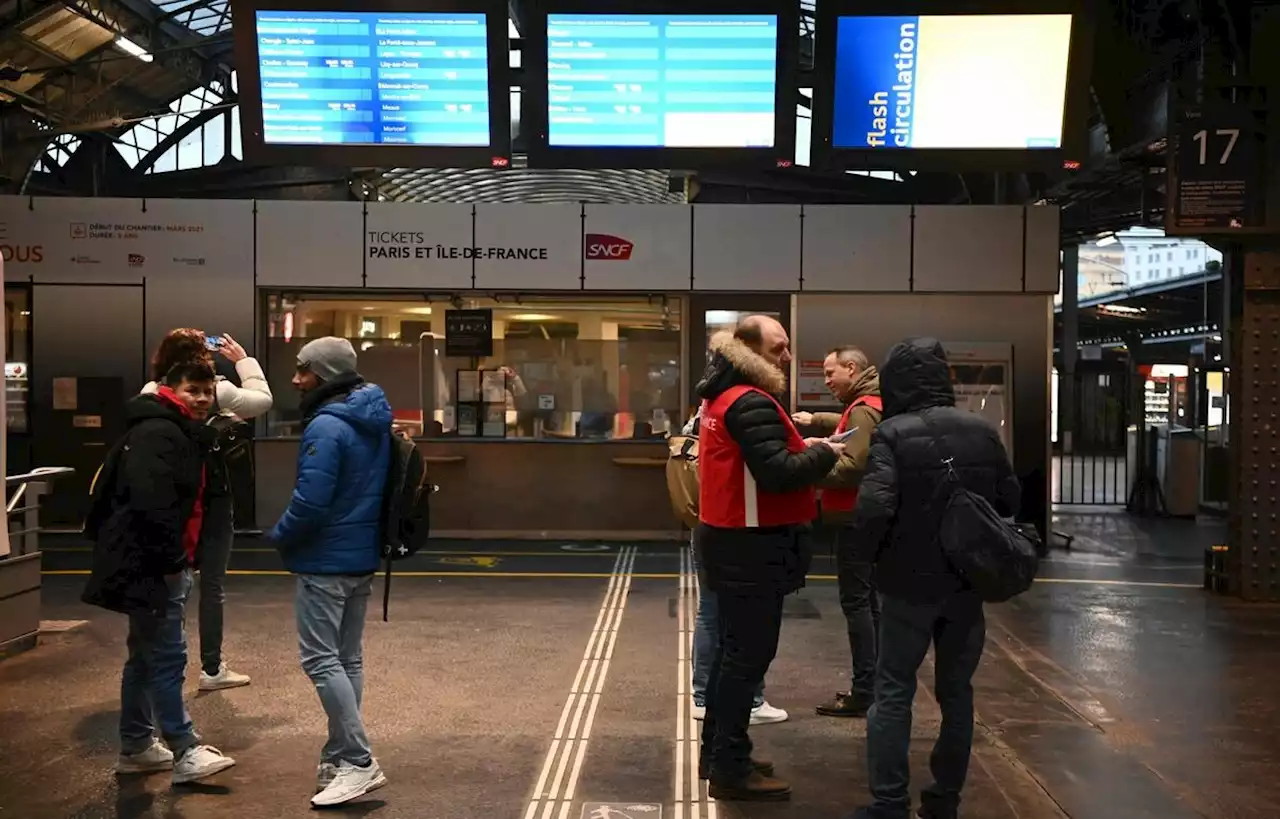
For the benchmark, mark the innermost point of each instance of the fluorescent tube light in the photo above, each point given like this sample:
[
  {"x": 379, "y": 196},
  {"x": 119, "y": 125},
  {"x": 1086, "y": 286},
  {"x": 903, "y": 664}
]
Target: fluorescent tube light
[{"x": 130, "y": 47}]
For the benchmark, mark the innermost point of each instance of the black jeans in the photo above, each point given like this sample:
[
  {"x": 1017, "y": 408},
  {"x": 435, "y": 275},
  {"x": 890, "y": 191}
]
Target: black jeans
[
  {"x": 957, "y": 630},
  {"x": 215, "y": 555},
  {"x": 861, "y": 607},
  {"x": 749, "y": 628}
]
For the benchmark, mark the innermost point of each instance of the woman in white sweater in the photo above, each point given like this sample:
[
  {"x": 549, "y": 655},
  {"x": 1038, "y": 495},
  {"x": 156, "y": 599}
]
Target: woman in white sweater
[{"x": 251, "y": 399}]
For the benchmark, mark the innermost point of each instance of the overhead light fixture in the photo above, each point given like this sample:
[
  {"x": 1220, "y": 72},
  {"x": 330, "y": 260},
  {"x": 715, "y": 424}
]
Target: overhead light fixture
[
  {"x": 531, "y": 317},
  {"x": 419, "y": 311},
  {"x": 1105, "y": 239},
  {"x": 130, "y": 47},
  {"x": 1120, "y": 310}
]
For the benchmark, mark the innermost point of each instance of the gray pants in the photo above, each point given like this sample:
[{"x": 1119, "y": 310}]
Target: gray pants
[{"x": 331, "y": 611}]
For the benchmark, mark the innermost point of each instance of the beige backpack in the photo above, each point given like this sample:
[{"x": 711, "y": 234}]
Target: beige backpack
[{"x": 682, "y": 477}]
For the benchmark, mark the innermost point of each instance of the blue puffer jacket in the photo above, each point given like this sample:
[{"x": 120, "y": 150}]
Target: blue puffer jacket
[{"x": 333, "y": 523}]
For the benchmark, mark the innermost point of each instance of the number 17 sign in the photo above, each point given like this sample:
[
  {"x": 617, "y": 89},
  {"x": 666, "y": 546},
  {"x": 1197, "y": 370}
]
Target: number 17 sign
[{"x": 1216, "y": 182}]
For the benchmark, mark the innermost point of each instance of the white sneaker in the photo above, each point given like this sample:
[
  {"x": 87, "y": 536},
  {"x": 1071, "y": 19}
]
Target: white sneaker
[
  {"x": 350, "y": 783},
  {"x": 153, "y": 760},
  {"x": 699, "y": 712},
  {"x": 325, "y": 772},
  {"x": 200, "y": 762},
  {"x": 225, "y": 678},
  {"x": 766, "y": 714}
]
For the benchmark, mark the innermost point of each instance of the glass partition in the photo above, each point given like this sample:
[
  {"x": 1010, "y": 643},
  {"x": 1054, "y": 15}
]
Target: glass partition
[{"x": 568, "y": 368}]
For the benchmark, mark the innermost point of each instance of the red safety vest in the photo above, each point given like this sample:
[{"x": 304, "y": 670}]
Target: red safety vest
[
  {"x": 845, "y": 500},
  {"x": 728, "y": 497}
]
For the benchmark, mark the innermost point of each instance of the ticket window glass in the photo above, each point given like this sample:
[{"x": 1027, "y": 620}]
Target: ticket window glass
[
  {"x": 1215, "y": 433},
  {"x": 17, "y": 349},
  {"x": 559, "y": 369},
  {"x": 711, "y": 313}
]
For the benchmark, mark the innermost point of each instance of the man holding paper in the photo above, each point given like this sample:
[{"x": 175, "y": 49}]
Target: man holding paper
[{"x": 855, "y": 383}]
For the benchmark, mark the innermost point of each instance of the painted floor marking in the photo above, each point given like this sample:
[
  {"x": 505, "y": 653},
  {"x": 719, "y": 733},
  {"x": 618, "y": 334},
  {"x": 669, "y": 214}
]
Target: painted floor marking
[{"x": 558, "y": 781}]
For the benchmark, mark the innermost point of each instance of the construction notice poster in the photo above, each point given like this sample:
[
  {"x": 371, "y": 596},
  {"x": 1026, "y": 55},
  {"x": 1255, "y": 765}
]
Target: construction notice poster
[
  {"x": 811, "y": 387},
  {"x": 981, "y": 387}
]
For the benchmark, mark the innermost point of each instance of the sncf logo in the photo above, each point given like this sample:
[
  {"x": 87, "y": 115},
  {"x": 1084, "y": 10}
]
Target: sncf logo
[{"x": 605, "y": 248}]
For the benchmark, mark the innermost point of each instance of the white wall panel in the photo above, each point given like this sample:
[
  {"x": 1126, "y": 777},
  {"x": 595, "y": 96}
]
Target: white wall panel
[
  {"x": 857, "y": 247},
  {"x": 310, "y": 244},
  {"x": 968, "y": 248},
  {"x": 638, "y": 247},
  {"x": 412, "y": 245},
  {"x": 528, "y": 247},
  {"x": 746, "y": 247},
  {"x": 1044, "y": 242},
  {"x": 206, "y": 278}
]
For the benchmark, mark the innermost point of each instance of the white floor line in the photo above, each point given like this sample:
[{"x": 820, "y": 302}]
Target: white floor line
[
  {"x": 689, "y": 792},
  {"x": 573, "y": 730}
]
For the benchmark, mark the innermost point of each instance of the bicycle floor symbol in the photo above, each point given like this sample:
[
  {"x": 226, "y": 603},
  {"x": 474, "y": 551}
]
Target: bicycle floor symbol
[{"x": 621, "y": 810}]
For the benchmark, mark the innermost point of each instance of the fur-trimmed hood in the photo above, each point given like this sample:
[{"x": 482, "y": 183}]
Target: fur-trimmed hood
[{"x": 733, "y": 363}]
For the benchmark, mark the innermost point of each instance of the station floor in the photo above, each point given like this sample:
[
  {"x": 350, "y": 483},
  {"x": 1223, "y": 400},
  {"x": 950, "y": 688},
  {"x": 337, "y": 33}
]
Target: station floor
[{"x": 549, "y": 681}]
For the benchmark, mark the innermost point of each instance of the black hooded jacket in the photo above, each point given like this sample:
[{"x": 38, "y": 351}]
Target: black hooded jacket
[
  {"x": 145, "y": 495},
  {"x": 899, "y": 505},
  {"x": 773, "y": 559}
]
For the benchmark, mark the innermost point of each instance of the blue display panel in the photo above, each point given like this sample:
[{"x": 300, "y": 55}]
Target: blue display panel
[
  {"x": 964, "y": 81},
  {"x": 661, "y": 80},
  {"x": 373, "y": 78}
]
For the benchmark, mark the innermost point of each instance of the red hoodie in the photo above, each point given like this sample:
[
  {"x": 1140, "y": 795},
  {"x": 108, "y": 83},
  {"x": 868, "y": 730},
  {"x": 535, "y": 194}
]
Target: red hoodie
[{"x": 190, "y": 534}]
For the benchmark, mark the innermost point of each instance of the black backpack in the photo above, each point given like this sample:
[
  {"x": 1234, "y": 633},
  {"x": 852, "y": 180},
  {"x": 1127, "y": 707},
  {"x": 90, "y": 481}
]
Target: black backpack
[
  {"x": 996, "y": 558},
  {"x": 406, "y": 508}
]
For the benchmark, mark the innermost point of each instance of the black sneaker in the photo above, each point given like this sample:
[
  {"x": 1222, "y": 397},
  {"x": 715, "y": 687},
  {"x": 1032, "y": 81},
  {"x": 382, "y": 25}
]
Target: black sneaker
[
  {"x": 754, "y": 787},
  {"x": 845, "y": 704}
]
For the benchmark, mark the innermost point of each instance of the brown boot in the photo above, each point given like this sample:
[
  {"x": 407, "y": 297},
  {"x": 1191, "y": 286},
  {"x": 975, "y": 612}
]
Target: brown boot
[
  {"x": 764, "y": 766},
  {"x": 754, "y": 787}
]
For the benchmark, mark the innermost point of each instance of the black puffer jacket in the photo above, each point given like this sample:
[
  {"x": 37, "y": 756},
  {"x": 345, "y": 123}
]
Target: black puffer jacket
[
  {"x": 149, "y": 487},
  {"x": 896, "y": 522},
  {"x": 770, "y": 559}
]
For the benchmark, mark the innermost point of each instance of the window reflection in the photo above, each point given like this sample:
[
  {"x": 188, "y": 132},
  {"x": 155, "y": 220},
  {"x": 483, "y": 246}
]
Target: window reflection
[{"x": 560, "y": 369}]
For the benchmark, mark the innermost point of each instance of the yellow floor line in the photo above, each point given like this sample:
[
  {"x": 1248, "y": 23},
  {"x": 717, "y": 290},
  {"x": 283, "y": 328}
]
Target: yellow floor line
[{"x": 641, "y": 576}]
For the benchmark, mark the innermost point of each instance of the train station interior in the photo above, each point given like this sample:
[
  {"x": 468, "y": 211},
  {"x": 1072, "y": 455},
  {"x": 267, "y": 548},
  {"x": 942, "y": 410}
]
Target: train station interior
[{"x": 533, "y": 222}]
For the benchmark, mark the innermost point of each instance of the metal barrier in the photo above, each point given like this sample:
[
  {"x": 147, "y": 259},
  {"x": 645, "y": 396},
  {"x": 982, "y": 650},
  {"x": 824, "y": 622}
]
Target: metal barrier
[
  {"x": 25, "y": 501},
  {"x": 20, "y": 569},
  {"x": 1090, "y": 463}
]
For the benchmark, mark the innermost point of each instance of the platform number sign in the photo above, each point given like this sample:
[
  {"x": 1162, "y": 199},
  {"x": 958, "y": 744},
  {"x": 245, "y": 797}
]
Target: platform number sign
[
  {"x": 1228, "y": 137},
  {"x": 1215, "y": 181}
]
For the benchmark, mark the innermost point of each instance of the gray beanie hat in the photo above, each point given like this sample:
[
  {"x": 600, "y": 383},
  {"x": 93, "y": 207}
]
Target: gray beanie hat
[{"x": 328, "y": 358}]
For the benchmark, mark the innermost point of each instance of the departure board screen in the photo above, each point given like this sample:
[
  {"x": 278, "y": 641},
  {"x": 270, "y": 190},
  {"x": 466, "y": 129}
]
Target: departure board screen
[
  {"x": 373, "y": 78},
  {"x": 662, "y": 80}
]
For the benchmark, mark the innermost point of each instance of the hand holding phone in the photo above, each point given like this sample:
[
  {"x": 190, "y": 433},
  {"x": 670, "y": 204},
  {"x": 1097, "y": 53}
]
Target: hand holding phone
[{"x": 841, "y": 437}]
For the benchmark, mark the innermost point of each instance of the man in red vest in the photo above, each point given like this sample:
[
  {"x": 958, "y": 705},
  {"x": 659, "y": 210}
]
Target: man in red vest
[
  {"x": 756, "y": 499},
  {"x": 856, "y": 384}
]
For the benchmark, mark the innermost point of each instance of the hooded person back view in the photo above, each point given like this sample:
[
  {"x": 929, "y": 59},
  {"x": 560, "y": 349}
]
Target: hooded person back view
[
  {"x": 922, "y": 438},
  {"x": 330, "y": 538}
]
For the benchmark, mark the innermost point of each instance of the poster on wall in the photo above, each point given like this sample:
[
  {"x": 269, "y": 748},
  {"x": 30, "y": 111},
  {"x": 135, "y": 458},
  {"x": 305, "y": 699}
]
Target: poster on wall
[{"x": 811, "y": 387}]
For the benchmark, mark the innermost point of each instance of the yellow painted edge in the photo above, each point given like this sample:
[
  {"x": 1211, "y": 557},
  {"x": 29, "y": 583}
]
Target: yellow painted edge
[{"x": 640, "y": 576}]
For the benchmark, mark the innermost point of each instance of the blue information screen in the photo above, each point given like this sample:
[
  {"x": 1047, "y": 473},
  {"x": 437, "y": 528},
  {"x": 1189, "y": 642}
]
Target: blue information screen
[
  {"x": 373, "y": 78},
  {"x": 661, "y": 80}
]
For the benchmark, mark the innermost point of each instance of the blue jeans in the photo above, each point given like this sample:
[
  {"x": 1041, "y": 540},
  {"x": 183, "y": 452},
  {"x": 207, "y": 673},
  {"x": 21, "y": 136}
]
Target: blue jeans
[
  {"x": 706, "y": 634},
  {"x": 331, "y": 611},
  {"x": 957, "y": 629},
  {"x": 151, "y": 685}
]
